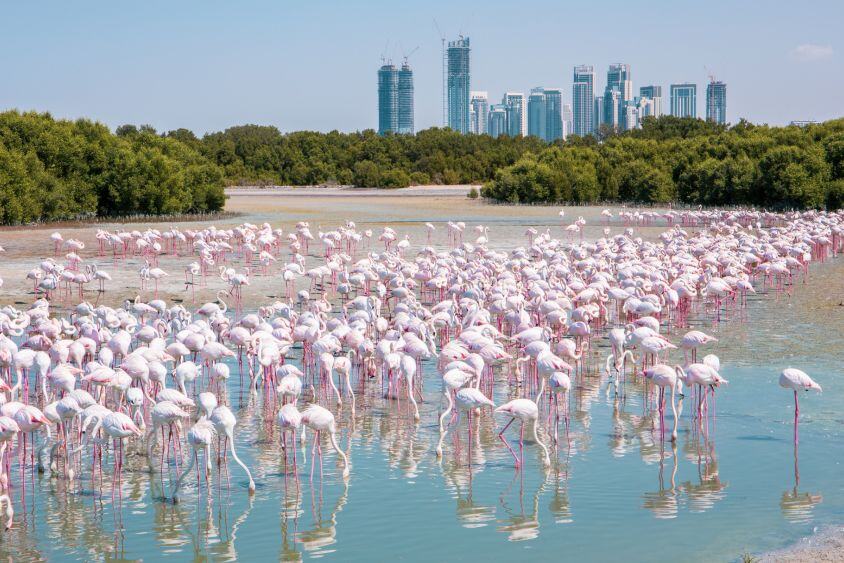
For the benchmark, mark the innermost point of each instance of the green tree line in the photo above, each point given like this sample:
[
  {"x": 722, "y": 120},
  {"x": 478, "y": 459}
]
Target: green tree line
[
  {"x": 260, "y": 154},
  {"x": 685, "y": 160},
  {"x": 54, "y": 169},
  {"x": 57, "y": 169}
]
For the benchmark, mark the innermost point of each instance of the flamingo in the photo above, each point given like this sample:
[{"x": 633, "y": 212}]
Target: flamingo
[
  {"x": 664, "y": 376},
  {"x": 224, "y": 422},
  {"x": 200, "y": 437},
  {"x": 119, "y": 427},
  {"x": 525, "y": 411},
  {"x": 319, "y": 420},
  {"x": 796, "y": 380},
  {"x": 469, "y": 399},
  {"x": 289, "y": 420}
]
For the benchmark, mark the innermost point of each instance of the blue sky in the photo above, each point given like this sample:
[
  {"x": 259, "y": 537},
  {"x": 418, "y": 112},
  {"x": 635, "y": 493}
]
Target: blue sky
[{"x": 312, "y": 64}]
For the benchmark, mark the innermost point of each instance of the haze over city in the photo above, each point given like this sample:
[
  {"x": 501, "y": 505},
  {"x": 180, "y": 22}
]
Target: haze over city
[{"x": 208, "y": 66}]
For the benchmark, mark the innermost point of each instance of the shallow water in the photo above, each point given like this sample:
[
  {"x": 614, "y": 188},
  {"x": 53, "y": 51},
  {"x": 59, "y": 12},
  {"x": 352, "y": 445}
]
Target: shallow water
[{"x": 617, "y": 491}]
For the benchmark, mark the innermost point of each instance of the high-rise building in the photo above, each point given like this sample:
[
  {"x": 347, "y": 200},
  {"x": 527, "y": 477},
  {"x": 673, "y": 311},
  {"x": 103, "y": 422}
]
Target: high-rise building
[
  {"x": 516, "y": 113},
  {"x": 545, "y": 113},
  {"x": 618, "y": 77},
  {"x": 497, "y": 123},
  {"x": 630, "y": 118},
  {"x": 583, "y": 100},
  {"x": 479, "y": 110},
  {"x": 598, "y": 114},
  {"x": 684, "y": 100},
  {"x": 716, "y": 102},
  {"x": 646, "y": 107},
  {"x": 554, "y": 114},
  {"x": 568, "y": 117},
  {"x": 537, "y": 113},
  {"x": 458, "y": 84},
  {"x": 613, "y": 108},
  {"x": 618, "y": 93},
  {"x": 388, "y": 99},
  {"x": 405, "y": 100},
  {"x": 655, "y": 94}
]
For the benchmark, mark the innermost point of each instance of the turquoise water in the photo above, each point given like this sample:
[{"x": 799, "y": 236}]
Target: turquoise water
[{"x": 616, "y": 492}]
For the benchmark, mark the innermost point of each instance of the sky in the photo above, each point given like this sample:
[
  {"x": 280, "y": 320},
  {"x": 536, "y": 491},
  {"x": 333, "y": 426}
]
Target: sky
[{"x": 312, "y": 64}]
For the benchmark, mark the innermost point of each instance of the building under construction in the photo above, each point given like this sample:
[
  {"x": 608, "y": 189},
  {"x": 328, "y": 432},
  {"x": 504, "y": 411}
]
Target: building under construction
[
  {"x": 716, "y": 101},
  {"x": 388, "y": 99},
  {"x": 405, "y": 100},
  {"x": 458, "y": 80},
  {"x": 395, "y": 99}
]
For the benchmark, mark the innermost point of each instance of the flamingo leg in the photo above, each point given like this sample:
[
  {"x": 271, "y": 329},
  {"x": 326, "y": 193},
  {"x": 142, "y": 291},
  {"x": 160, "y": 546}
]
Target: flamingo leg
[{"x": 503, "y": 439}]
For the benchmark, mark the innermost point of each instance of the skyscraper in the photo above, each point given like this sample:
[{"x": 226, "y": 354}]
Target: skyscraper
[
  {"x": 583, "y": 99},
  {"x": 618, "y": 77},
  {"x": 655, "y": 94},
  {"x": 684, "y": 100},
  {"x": 716, "y": 102},
  {"x": 554, "y": 114},
  {"x": 516, "y": 107},
  {"x": 646, "y": 107},
  {"x": 458, "y": 84},
  {"x": 479, "y": 109},
  {"x": 613, "y": 108},
  {"x": 568, "y": 120},
  {"x": 388, "y": 99},
  {"x": 537, "y": 113},
  {"x": 598, "y": 114},
  {"x": 618, "y": 93},
  {"x": 497, "y": 125},
  {"x": 405, "y": 100},
  {"x": 630, "y": 118}
]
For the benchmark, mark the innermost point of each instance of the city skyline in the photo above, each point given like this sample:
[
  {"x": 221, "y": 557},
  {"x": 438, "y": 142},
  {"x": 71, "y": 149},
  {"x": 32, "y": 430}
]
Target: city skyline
[
  {"x": 169, "y": 68},
  {"x": 540, "y": 113}
]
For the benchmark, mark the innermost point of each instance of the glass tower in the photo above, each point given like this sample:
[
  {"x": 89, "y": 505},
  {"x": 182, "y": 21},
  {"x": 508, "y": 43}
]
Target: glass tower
[
  {"x": 613, "y": 107},
  {"x": 553, "y": 114},
  {"x": 388, "y": 99},
  {"x": 405, "y": 100},
  {"x": 516, "y": 113},
  {"x": 598, "y": 114},
  {"x": 537, "y": 111},
  {"x": 458, "y": 84},
  {"x": 684, "y": 100},
  {"x": 618, "y": 77},
  {"x": 497, "y": 120},
  {"x": 618, "y": 94},
  {"x": 583, "y": 100},
  {"x": 480, "y": 112},
  {"x": 716, "y": 102}
]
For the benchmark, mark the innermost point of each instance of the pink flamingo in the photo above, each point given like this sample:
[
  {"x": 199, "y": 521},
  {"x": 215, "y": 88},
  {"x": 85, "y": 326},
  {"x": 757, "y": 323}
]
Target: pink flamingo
[{"x": 795, "y": 379}]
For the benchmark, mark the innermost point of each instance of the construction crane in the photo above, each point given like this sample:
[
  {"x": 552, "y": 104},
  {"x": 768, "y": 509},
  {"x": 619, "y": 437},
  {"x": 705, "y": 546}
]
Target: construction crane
[
  {"x": 445, "y": 66},
  {"x": 407, "y": 55},
  {"x": 709, "y": 74},
  {"x": 384, "y": 59}
]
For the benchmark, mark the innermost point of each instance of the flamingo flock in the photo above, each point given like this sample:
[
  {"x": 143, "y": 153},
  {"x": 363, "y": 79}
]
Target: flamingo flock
[{"x": 509, "y": 334}]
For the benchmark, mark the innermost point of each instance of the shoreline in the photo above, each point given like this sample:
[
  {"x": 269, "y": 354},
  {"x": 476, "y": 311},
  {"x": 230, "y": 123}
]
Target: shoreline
[
  {"x": 124, "y": 220},
  {"x": 459, "y": 190},
  {"x": 826, "y": 544}
]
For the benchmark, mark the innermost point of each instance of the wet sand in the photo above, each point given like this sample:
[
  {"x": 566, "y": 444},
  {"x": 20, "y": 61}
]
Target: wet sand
[
  {"x": 826, "y": 545},
  {"x": 349, "y": 191}
]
